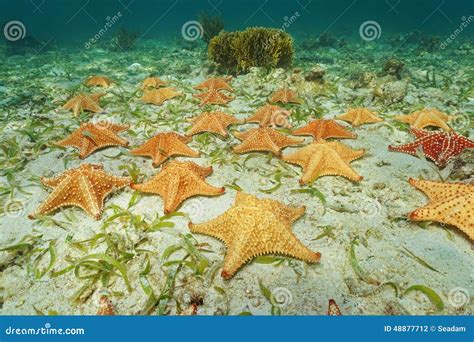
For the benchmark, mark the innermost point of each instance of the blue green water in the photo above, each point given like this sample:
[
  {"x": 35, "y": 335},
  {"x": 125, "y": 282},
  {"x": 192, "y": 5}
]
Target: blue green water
[{"x": 72, "y": 22}]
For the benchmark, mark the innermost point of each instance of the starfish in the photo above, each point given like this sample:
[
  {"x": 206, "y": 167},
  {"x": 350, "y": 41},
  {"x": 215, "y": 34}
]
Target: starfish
[
  {"x": 215, "y": 122},
  {"x": 106, "y": 307},
  {"x": 158, "y": 96},
  {"x": 253, "y": 227},
  {"x": 333, "y": 309},
  {"x": 322, "y": 129},
  {"x": 450, "y": 203},
  {"x": 285, "y": 96},
  {"x": 178, "y": 181},
  {"x": 99, "y": 81},
  {"x": 440, "y": 147},
  {"x": 152, "y": 82},
  {"x": 426, "y": 117},
  {"x": 83, "y": 102},
  {"x": 163, "y": 146},
  {"x": 263, "y": 139},
  {"x": 85, "y": 187},
  {"x": 271, "y": 115},
  {"x": 213, "y": 97},
  {"x": 215, "y": 83},
  {"x": 325, "y": 159},
  {"x": 359, "y": 116},
  {"x": 90, "y": 137}
]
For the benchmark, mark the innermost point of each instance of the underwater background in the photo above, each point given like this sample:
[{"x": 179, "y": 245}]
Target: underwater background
[{"x": 66, "y": 64}]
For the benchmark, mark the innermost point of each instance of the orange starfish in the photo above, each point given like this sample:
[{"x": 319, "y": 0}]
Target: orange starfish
[
  {"x": 99, "y": 81},
  {"x": 271, "y": 115},
  {"x": 105, "y": 307},
  {"x": 215, "y": 83},
  {"x": 253, "y": 227},
  {"x": 85, "y": 187},
  {"x": 359, "y": 116},
  {"x": 322, "y": 129},
  {"x": 426, "y": 117},
  {"x": 215, "y": 122},
  {"x": 333, "y": 309},
  {"x": 450, "y": 203},
  {"x": 163, "y": 146},
  {"x": 285, "y": 96},
  {"x": 325, "y": 159},
  {"x": 90, "y": 137},
  {"x": 263, "y": 139},
  {"x": 158, "y": 96},
  {"x": 152, "y": 82},
  {"x": 178, "y": 181},
  {"x": 83, "y": 102},
  {"x": 213, "y": 97}
]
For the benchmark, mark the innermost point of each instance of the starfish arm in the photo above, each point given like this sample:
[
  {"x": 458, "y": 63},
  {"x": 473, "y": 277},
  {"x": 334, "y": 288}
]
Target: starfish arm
[
  {"x": 96, "y": 96},
  {"x": 404, "y": 118},
  {"x": 456, "y": 211},
  {"x": 105, "y": 184},
  {"x": 345, "y": 152},
  {"x": 299, "y": 157},
  {"x": 422, "y": 122},
  {"x": 268, "y": 236},
  {"x": 419, "y": 133},
  {"x": 438, "y": 191},
  {"x": 409, "y": 148},
  {"x": 221, "y": 227},
  {"x": 71, "y": 192},
  {"x": 117, "y": 128}
]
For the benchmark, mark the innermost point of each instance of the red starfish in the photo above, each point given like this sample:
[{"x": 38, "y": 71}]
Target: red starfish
[{"x": 440, "y": 147}]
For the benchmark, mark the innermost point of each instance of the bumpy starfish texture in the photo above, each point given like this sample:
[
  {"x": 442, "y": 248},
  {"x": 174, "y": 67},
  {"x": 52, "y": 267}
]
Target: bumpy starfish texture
[
  {"x": 325, "y": 159},
  {"x": 321, "y": 129},
  {"x": 264, "y": 139},
  {"x": 359, "y": 116},
  {"x": 106, "y": 307},
  {"x": 99, "y": 81},
  {"x": 213, "y": 97},
  {"x": 84, "y": 102},
  {"x": 285, "y": 96},
  {"x": 158, "y": 96},
  {"x": 215, "y": 83},
  {"x": 333, "y": 309},
  {"x": 90, "y": 137},
  {"x": 253, "y": 227},
  {"x": 85, "y": 187},
  {"x": 440, "y": 147},
  {"x": 271, "y": 115},
  {"x": 178, "y": 181},
  {"x": 215, "y": 122},
  {"x": 163, "y": 146},
  {"x": 450, "y": 203},
  {"x": 153, "y": 82},
  {"x": 426, "y": 117}
]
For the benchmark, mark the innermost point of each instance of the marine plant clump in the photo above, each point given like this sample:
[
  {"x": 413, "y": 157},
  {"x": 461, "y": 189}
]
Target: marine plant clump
[
  {"x": 124, "y": 40},
  {"x": 211, "y": 26},
  {"x": 255, "y": 47}
]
